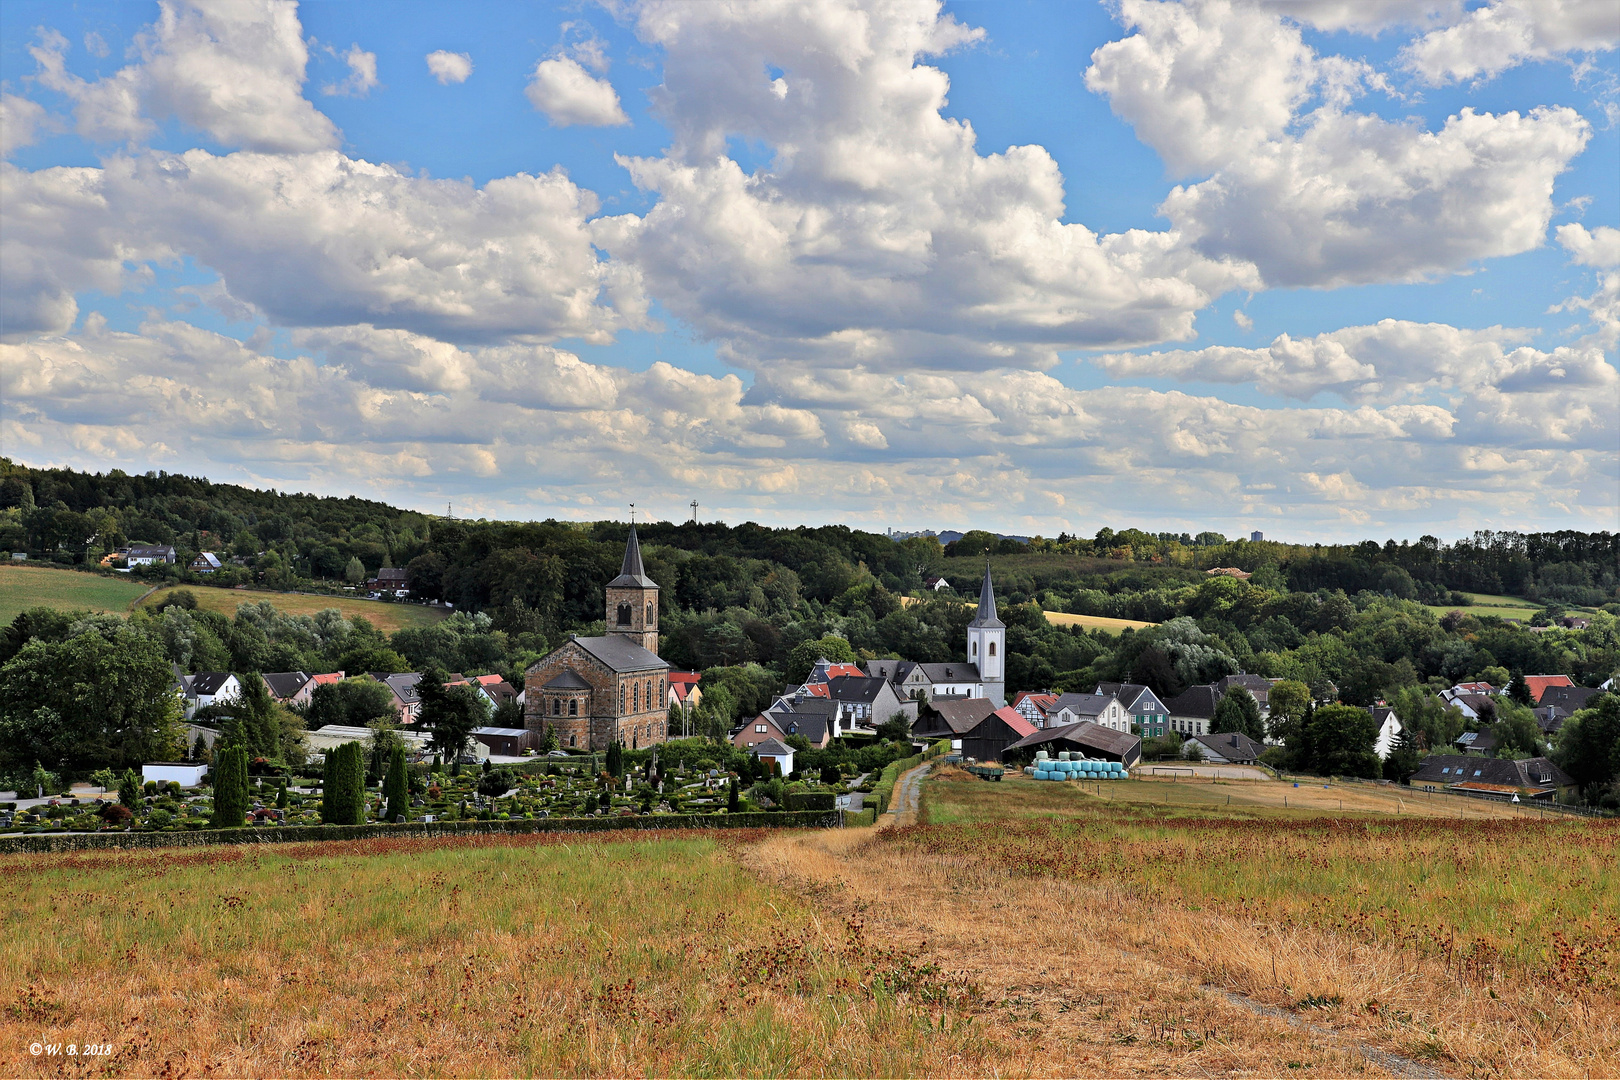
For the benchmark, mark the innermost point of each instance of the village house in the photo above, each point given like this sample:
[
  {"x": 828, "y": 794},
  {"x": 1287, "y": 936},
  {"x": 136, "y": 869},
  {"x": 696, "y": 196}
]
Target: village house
[
  {"x": 1529, "y": 778},
  {"x": 209, "y": 688},
  {"x": 1149, "y": 715},
  {"x": 1476, "y": 743},
  {"x": 684, "y": 692},
  {"x": 1192, "y": 710},
  {"x": 1389, "y": 729},
  {"x": 1568, "y": 698},
  {"x": 1103, "y": 710},
  {"x": 758, "y": 730},
  {"x": 206, "y": 562},
  {"x": 149, "y": 554},
  {"x": 1033, "y": 706},
  {"x": 290, "y": 687},
  {"x": 1229, "y": 748},
  {"x": 403, "y": 686}
]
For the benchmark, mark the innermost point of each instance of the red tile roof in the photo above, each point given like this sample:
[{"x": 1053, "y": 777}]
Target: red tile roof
[
  {"x": 1537, "y": 684},
  {"x": 1013, "y": 720}
]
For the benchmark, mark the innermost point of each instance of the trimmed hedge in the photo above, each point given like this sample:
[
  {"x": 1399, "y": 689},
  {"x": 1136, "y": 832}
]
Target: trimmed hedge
[
  {"x": 301, "y": 834},
  {"x": 811, "y": 800}
]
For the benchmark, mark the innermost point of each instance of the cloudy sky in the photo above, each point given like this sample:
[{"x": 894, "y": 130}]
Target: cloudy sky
[{"x": 1326, "y": 268}]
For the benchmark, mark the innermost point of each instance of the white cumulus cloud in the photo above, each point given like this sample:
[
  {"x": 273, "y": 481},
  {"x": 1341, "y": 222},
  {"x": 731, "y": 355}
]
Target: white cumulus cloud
[
  {"x": 1310, "y": 191},
  {"x": 362, "y": 75},
  {"x": 20, "y": 122},
  {"x": 449, "y": 67},
  {"x": 1598, "y": 247},
  {"x": 235, "y": 71},
  {"x": 1500, "y": 35},
  {"x": 568, "y": 94}
]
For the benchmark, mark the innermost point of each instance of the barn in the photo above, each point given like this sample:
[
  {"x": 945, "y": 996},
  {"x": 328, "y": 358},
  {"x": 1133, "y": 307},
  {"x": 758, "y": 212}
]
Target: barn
[{"x": 1092, "y": 740}]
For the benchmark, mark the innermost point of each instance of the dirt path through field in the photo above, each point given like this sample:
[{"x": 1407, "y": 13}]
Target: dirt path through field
[{"x": 1063, "y": 990}]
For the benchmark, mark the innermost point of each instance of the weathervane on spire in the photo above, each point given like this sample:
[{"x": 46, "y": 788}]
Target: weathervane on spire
[{"x": 632, "y": 513}]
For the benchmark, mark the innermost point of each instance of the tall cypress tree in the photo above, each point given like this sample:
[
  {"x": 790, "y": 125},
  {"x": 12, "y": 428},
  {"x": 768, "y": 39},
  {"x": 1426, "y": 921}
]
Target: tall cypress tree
[
  {"x": 395, "y": 789},
  {"x": 329, "y": 788},
  {"x": 230, "y": 788},
  {"x": 615, "y": 759}
]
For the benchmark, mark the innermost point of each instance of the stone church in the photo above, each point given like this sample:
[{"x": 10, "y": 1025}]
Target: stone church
[{"x": 595, "y": 691}]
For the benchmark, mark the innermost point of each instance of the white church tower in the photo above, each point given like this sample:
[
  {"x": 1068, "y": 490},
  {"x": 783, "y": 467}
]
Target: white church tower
[{"x": 987, "y": 644}]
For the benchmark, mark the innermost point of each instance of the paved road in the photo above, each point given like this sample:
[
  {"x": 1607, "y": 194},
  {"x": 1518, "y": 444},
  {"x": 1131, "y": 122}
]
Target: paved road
[{"x": 1207, "y": 772}]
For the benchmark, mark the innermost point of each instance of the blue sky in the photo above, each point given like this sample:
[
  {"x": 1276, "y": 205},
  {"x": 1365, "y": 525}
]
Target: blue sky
[{"x": 655, "y": 253}]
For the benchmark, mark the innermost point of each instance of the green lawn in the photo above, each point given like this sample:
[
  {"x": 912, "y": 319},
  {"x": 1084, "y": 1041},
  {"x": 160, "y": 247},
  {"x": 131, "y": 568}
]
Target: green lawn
[
  {"x": 23, "y": 587},
  {"x": 1506, "y": 607},
  {"x": 385, "y": 617}
]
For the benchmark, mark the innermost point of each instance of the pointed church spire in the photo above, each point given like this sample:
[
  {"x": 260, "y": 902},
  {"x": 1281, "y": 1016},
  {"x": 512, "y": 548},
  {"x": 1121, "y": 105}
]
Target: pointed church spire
[
  {"x": 632, "y": 555},
  {"x": 987, "y": 602},
  {"x": 632, "y": 572}
]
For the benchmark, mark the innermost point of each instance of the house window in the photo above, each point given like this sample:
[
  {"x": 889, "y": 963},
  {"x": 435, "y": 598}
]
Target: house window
[
  {"x": 573, "y": 708},
  {"x": 760, "y": 728},
  {"x": 1445, "y": 770}
]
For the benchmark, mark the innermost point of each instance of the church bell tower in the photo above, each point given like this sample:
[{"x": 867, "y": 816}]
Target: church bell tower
[
  {"x": 987, "y": 643},
  {"x": 632, "y": 600}
]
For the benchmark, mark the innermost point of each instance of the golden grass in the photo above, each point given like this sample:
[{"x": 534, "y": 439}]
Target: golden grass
[
  {"x": 386, "y": 617},
  {"x": 1481, "y": 946},
  {"x": 501, "y": 956},
  {"x": 1018, "y": 796},
  {"x": 23, "y": 587},
  {"x": 1063, "y": 618}
]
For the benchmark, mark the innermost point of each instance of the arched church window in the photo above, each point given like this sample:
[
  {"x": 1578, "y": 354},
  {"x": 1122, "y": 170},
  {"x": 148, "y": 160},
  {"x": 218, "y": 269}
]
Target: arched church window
[
  {"x": 635, "y": 697},
  {"x": 621, "y": 698},
  {"x": 624, "y": 614},
  {"x": 650, "y": 612},
  {"x": 992, "y": 648},
  {"x": 973, "y": 649},
  {"x": 573, "y": 740},
  {"x": 573, "y": 708},
  {"x": 556, "y": 706}
]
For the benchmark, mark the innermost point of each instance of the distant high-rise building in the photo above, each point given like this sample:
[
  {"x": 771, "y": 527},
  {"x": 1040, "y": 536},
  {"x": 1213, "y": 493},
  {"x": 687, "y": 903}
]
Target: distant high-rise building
[{"x": 1256, "y": 536}]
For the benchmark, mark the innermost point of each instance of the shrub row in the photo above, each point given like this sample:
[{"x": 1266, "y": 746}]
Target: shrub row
[{"x": 299, "y": 834}]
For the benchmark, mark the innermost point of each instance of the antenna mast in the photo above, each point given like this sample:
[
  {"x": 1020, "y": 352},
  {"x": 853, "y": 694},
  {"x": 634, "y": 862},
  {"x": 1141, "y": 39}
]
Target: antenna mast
[{"x": 694, "y": 511}]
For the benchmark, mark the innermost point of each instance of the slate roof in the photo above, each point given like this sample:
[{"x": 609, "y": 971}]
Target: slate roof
[
  {"x": 631, "y": 573},
  {"x": 1568, "y": 698},
  {"x": 1129, "y": 694},
  {"x": 1195, "y": 701},
  {"x": 987, "y": 604},
  {"x": 857, "y": 689},
  {"x": 621, "y": 654},
  {"x": 951, "y": 672},
  {"x": 960, "y": 715},
  {"x": 208, "y": 682},
  {"x": 284, "y": 684},
  {"x": 1081, "y": 704},
  {"x": 569, "y": 679},
  {"x": 1482, "y": 742},
  {"x": 1458, "y": 768},
  {"x": 402, "y": 683},
  {"x": 812, "y": 726},
  {"x": 1231, "y": 745},
  {"x": 771, "y": 748}
]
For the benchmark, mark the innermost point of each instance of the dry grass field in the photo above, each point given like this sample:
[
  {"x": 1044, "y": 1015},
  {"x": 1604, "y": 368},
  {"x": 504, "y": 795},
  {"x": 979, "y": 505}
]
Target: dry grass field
[
  {"x": 557, "y": 955},
  {"x": 1023, "y": 929},
  {"x": 385, "y": 617},
  {"x": 23, "y": 587},
  {"x": 1063, "y": 618}
]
